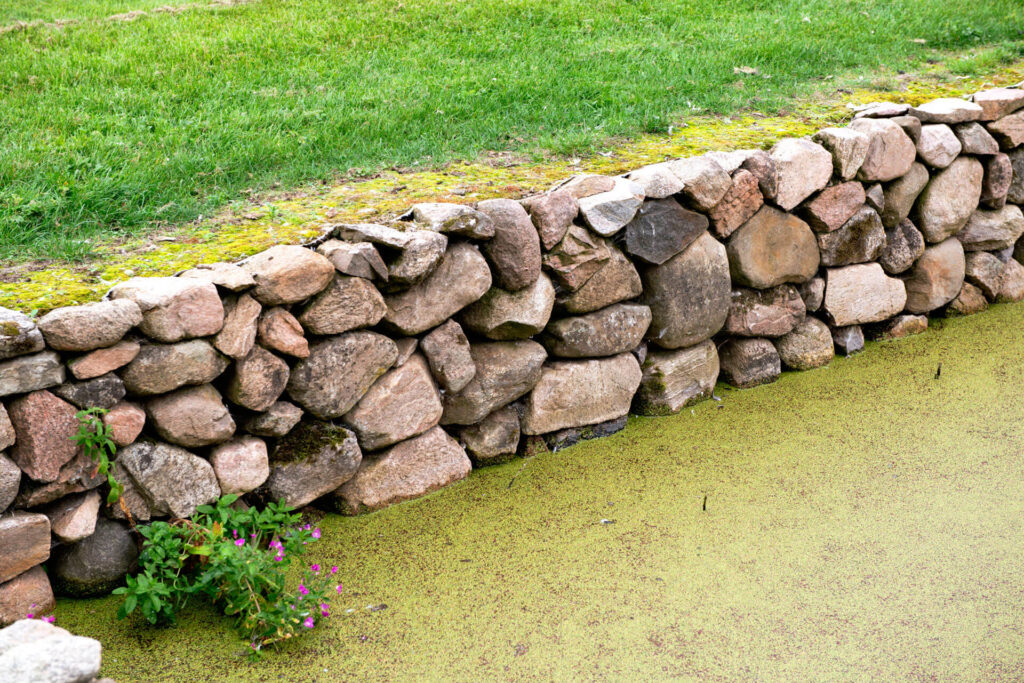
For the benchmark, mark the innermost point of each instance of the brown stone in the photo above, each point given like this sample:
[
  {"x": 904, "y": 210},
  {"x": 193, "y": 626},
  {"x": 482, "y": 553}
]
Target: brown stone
[
  {"x": 833, "y": 206},
  {"x": 617, "y": 280},
  {"x": 72, "y": 518},
  {"x": 25, "y": 539},
  {"x": 258, "y": 380},
  {"x": 359, "y": 259},
  {"x": 898, "y": 327},
  {"x": 285, "y": 274},
  {"x": 746, "y": 363},
  {"x": 102, "y": 361},
  {"x": 808, "y": 346},
  {"x": 904, "y": 244},
  {"x": 125, "y": 422},
  {"x": 411, "y": 254},
  {"x": 348, "y": 303},
  {"x": 574, "y": 260},
  {"x": 762, "y": 165},
  {"x": 937, "y": 277},
  {"x": 938, "y": 145},
  {"x": 552, "y": 214},
  {"x": 992, "y": 230},
  {"x": 502, "y": 315},
  {"x": 504, "y": 372},
  {"x": 160, "y": 368},
  {"x": 998, "y": 102},
  {"x": 277, "y": 420},
  {"x": 740, "y": 202},
  {"x": 1011, "y": 284},
  {"x": 30, "y": 373},
  {"x": 447, "y": 351},
  {"x": 27, "y": 593},
  {"x": 10, "y": 480},
  {"x": 813, "y": 293},
  {"x": 280, "y": 331},
  {"x": 911, "y": 125},
  {"x": 974, "y": 139},
  {"x": 587, "y": 184},
  {"x": 891, "y": 151},
  {"x": 238, "y": 335},
  {"x": 764, "y": 312},
  {"x": 76, "y": 476},
  {"x": 494, "y": 439},
  {"x": 313, "y": 460},
  {"x": 661, "y": 229},
  {"x": 91, "y": 326},
  {"x": 44, "y": 426},
  {"x": 874, "y": 196},
  {"x": 173, "y": 308},
  {"x": 673, "y": 380},
  {"x": 949, "y": 200},
  {"x": 606, "y": 332},
  {"x": 705, "y": 182},
  {"x": 861, "y": 239},
  {"x": 1015, "y": 192},
  {"x": 969, "y": 301},
  {"x": 1009, "y": 130},
  {"x": 401, "y": 404},
  {"x": 514, "y": 251},
  {"x": 947, "y": 110},
  {"x": 996, "y": 181},
  {"x": 848, "y": 148},
  {"x": 862, "y": 293},
  {"x": 773, "y": 248},
  {"x": 900, "y": 195},
  {"x": 803, "y": 168},
  {"x": 191, "y": 417},
  {"x": 241, "y": 464}
]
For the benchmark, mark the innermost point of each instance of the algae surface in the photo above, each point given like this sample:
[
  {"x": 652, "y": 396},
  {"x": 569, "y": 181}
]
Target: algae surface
[{"x": 863, "y": 521}]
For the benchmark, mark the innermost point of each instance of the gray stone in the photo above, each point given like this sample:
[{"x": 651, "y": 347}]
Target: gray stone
[
  {"x": 992, "y": 230},
  {"x": 848, "y": 340},
  {"x": 102, "y": 392},
  {"x": 10, "y": 479},
  {"x": 974, "y": 139},
  {"x": 998, "y": 102},
  {"x": 949, "y": 199},
  {"x": 808, "y": 346},
  {"x": 258, "y": 380},
  {"x": 53, "y": 660},
  {"x": 904, "y": 244},
  {"x": 241, "y": 464},
  {"x": 97, "y": 564},
  {"x": 160, "y": 368},
  {"x": 277, "y": 420},
  {"x": 227, "y": 276},
  {"x": 401, "y": 404},
  {"x": 661, "y": 229},
  {"x": 504, "y": 372},
  {"x": 608, "y": 212},
  {"x": 764, "y": 312},
  {"x": 102, "y": 361},
  {"x": 755, "y": 259},
  {"x": 881, "y": 110},
  {"x": 673, "y": 380},
  {"x": 238, "y": 335},
  {"x": 173, "y": 308},
  {"x": 617, "y": 280},
  {"x": 860, "y": 294},
  {"x": 91, "y": 326},
  {"x": 803, "y": 168},
  {"x": 762, "y": 165},
  {"x": 411, "y": 254},
  {"x": 833, "y": 206},
  {"x": 358, "y": 259},
  {"x": 348, "y": 303},
  {"x": 577, "y": 258},
  {"x": 25, "y": 539},
  {"x": 514, "y": 251},
  {"x": 564, "y": 438},
  {"x": 658, "y": 181},
  {"x": 938, "y": 145},
  {"x": 191, "y": 417},
  {"x": 911, "y": 125},
  {"x": 606, "y": 332},
  {"x": 747, "y": 363},
  {"x": 742, "y": 200},
  {"x": 73, "y": 517},
  {"x": 901, "y": 194},
  {"x": 447, "y": 352},
  {"x": 494, "y": 439},
  {"x": 997, "y": 179},
  {"x": 705, "y": 182},
  {"x": 286, "y": 274},
  {"x": 874, "y": 196},
  {"x": 861, "y": 239},
  {"x": 937, "y": 277},
  {"x": 969, "y": 301},
  {"x": 1009, "y": 130},
  {"x": 898, "y": 327},
  {"x": 947, "y": 110},
  {"x": 7, "y": 436},
  {"x": 552, "y": 214},
  {"x": 406, "y": 347},
  {"x": 890, "y": 153},
  {"x": 18, "y": 335},
  {"x": 848, "y": 147},
  {"x": 813, "y": 293},
  {"x": 453, "y": 219},
  {"x": 1015, "y": 191},
  {"x": 172, "y": 481},
  {"x": 30, "y": 373},
  {"x": 1011, "y": 284},
  {"x": 502, "y": 315}
]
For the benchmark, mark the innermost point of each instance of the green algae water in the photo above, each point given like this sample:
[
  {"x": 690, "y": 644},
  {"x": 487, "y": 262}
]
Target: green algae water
[{"x": 860, "y": 521}]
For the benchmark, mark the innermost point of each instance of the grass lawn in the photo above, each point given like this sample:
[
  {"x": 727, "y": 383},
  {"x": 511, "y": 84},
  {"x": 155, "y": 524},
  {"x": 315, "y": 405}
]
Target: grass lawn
[{"x": 110, "y": 126}]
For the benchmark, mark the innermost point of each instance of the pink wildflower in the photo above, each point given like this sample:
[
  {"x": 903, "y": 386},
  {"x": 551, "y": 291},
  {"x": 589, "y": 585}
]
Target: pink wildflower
[
  {"x": 240, "y": 542},
  {"x": 315, "y": 568},
  {"x": 303, "y": 589},
  {"x": 308, "y": 623},
  {"x": 334, "y": 569},
  {"x": 316, "y": 533},
  {"x": 50, "y": 619}
]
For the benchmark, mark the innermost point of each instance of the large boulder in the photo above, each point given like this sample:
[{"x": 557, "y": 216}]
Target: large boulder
[
  {"x": 992, "y": 230},
  {"x": 460, "y": 278},
  {"x": 160, "y": 368},
  {"x": 674, "y": 379},
  {"x": 447, "y": 351},
  {"x": 97, "y": 564},
  {"x": 172, "y": 481},
  {"x": 661, "y": 229},
  {"x": 286, "y": 274},
  {"x": 25, "y": 539},
  {"x": 938, "y": 145},
  {"x": 494, "y": 439},
  {"x": 937, "y": 276},
  {"x": 833, "y": 206},
  {"x": 607, "y": 332},
  {"x": 576, "y": 258},
  {"x": 404, "y": 402},
  {"x": 738, "y": 205},
  {"x": 43, "y": 653},
  {"x": 173, "y": 308},
  {"x": 748, "y": 362},
  {"x": 949, "y": 199},
  {"x": 900, "y": 194},
  {"x": 339, "y": 370},
  {"x": 502, "y": 315},
  {"x": 803, "y": 167},
  {"x": 407, "y": 470},
  {"x": 773, "y": 248},
  {"x": 19, "y": 334},
  {"x": 904, "y": 244},
  {"x": 514, "y": 251},
  {"x": 764, "y": 312},
  {"x": 862, "y": 293},
  {"x": 191, "y": 417},
  {"x": 616, "y": 280},
  {"x": 44, "y": 427},
  {"x": 91, "y": 326},
  {"x": 890, "y": 152},
  {"x": 30, "y": 373},
  {"x": 314, "y": 459},
  {"x": 504, "y": 372},
  {"x": 241, "y": 464},
  {"x": 848, "y": 147},
  {"x": 808, "y": 346},
  {"x": 348, "y": 303},
  {"x": 412, "y": 254},
  {"x": 689, "y": 294},
  {"x": 102, "y": 361},
  {"x": 860, "y": 239},
  {"x": 258, "y": 380},
  {"x": 608, "y": 212}
]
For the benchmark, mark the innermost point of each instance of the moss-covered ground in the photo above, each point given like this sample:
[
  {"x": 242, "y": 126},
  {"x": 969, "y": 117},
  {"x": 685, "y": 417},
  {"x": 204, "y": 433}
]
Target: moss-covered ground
[{"x": 863, "y": 522}]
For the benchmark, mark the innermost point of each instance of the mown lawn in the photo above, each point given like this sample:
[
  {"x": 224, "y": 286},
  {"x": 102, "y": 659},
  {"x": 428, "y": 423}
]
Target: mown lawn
[{"x": 115, "y": 126}]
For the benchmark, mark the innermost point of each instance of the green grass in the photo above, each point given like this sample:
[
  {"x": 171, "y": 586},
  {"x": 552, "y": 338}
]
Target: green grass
[
  {"x": 12, "y": 11},
  {"x": 115, "y": 126}
]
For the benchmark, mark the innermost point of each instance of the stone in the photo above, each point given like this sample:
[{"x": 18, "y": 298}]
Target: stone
[
  {"x": 1011, "y": 284},
  {"x": 77, "y": 475},
  {"x": 227, "y": 276},
  {"x": 25, "y": 538},
  {"x": 996, "y": 180},
  {"x": 101, "y": 392},
  {"x": 863, "y": 293},
  {"x": 358, "y": 259},
  {"x": 904, "y": 244},
  {"x": 314, "y": 459},
  {"x": 27, "y": 593},
  {"x": 740, "y": 202},
  {"x": 171, "y": 480},
  {"x": 191, "y": 417},
  {"x": 969, "y": 301},
  {"x": 453, "y": 219},
  {"x": 125, "y": 422},
  {"x": 30, "y": 373},
  {"x": 673, "y": 380},
  {"x": 338, "y": 372},
  {"x": 900, "y": 195},
  {"x": 1009, "y": 130},
  {"x": 286, "y": 274},
  {"x": 102, "y": 361},
  {"x": 808, "y": 346},
  {"x": 938, "y": 145},
  {"x": 992, "y": 230},
  {"x": 833, "y": 206},
  {"x": 564, "y": 438},
  {"x": 406, "y": 347},
  {"x": 258, "y": 380},
  {"x": 848, "y": 147},
  {"x": 813, "y": 293},
  {"x": 608, "y": 212},
  {"x": 689, "y": 294},
  {"x": 581, "y": 392},
  {"x": 764, "y": 312},
  {"x": 772, "y": 248},
  {"x": 10, "y": 479},
  {"x": 91, "y": 326},
  {"x": 974, "y": 139},
  {"x": 587, "y": 184},
  {"x": 937, "y": 277},
  {"x": 241, "y": 464},
  {"x": 881, "y": 110},
  {"x": 461, "y": 278},
  {"x": 405, "y": 471},
  {"x": 874, "y": 196},
  {"x": 803, "y": 167},
  {"x": 401, "y": 404},
  {"x": 762, "y": 165},
  {"x": 705, "y": 182},
  {"x": 160, "y": 368},
  {"x": 747, "y": 363},
  {"x": 74, "y": 517},
  {"x": 44, "y": 426},
  {"x": 657, "y": 181},
  {"x": 18, "y": 335},
  {"x": 238, "y": 335},
  {"x": 97, "y": 564},
  {"x": 848, "y": 340},
  {"x": 278, "y": 330},
  {"x": 948, "y": 200},
  {"x": 54, "y": 660},
  {"x": 661, "y": 229},
  {"x": 729, "y": 161},
  {"x": 514, "y": 251},
  {"x": 173, "y": 308},
  {"x": 911, "y": 125},
  {"x": 617, "y": 280},
  {"x": 494, "y": 439},
  {"x": 861, "y": 239},
  {"x": 505, "y": 371},
  {"x": 411, "y": 254},
  {"x": 606, "y": 332},
  {"x": 7, "y": 436},
  {"x": 447, "y": 352},
  {"x": 277, "y": 420},
  {"x": 131, "y": 503},
  {"x": 552, "y": 214},
  {"x": 503, "y": 315},
  {"x": 348, "y": 303},
  {"x": 898, "y": 327},
  {"x": 998, "y": 102},
  {"x": 1015, "y": 192},
  {"x": 947, "y": 110},
  {"x": 890, "y": 153},
  {"x": 574, "y": 260}
]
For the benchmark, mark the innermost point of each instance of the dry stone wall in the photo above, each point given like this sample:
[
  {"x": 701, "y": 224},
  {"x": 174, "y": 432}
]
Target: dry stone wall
[{"x": 382, "y": 362}]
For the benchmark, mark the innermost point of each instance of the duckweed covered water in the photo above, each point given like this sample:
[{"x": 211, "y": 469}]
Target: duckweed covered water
[{"x": 863, "y": 521}]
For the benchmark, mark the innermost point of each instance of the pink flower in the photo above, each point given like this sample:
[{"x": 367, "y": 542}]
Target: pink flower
[
  {"x": 240, "y": 542},
  {"x": 339, "y": 589},
  {"x": 30, "y": 616},
  {"x": 303, "y": 589},
  {"x": 50, "y": 619},
  {"x": 316, "y": 533},
  {"x": 315, "y": 568},
  {"x": 308, "y": 623},
  {"x": 334, "y": 570}
]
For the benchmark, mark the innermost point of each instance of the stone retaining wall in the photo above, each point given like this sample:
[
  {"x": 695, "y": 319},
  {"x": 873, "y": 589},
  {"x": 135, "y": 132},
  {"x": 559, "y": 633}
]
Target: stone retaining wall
[{"x": 385, "y": 361}]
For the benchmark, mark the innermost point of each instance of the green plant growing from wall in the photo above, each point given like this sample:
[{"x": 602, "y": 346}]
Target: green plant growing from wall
[{"x": 94, "y": 437}]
